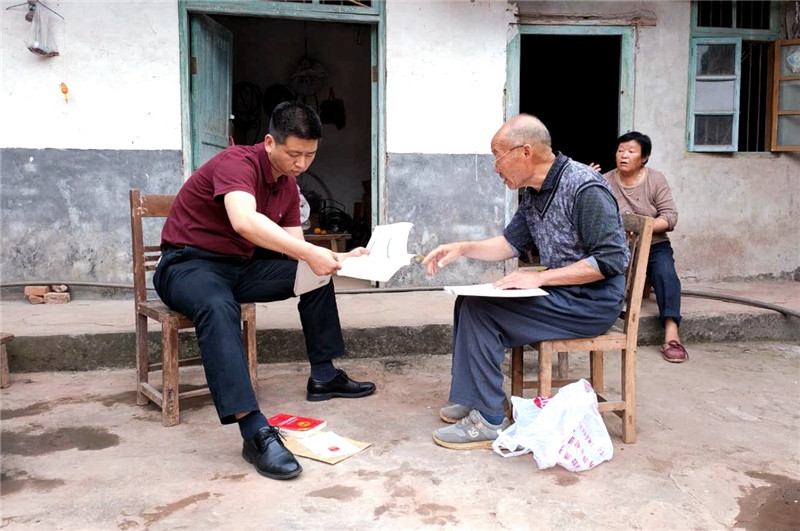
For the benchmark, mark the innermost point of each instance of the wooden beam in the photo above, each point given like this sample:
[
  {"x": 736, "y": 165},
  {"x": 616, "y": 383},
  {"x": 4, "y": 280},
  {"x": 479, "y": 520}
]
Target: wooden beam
[{"x": 636, "y": 18}]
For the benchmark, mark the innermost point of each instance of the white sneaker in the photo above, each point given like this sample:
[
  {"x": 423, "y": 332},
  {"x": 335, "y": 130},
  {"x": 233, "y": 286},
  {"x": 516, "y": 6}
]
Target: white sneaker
[{"x": 470, "y": 433}]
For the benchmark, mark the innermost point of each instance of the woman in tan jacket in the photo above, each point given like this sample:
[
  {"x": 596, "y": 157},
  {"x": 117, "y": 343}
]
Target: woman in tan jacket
[{"x": 645, "y": 191}]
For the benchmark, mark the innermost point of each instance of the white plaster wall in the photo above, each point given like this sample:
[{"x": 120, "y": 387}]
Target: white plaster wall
[
  {"x": 120, "y": 62},
  {"x": 445, "y": 74},
  {"x": 737, "y": 212}
]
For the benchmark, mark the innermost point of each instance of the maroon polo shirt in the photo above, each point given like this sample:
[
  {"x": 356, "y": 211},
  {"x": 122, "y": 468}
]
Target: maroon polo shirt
[{"x": 198, "y": 216}]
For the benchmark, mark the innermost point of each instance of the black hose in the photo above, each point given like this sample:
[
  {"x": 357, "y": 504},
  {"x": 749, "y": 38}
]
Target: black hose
[
  {"x": 740, "y": 300},
  {"x": 65, "y": 283},
  {"x": 687, "y": 293}
]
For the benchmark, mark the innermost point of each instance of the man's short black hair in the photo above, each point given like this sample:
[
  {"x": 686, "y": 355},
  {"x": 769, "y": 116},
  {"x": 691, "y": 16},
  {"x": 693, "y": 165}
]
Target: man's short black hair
[
  {"x": 292, "y": 118},
  {"x": 642, "y": 140}
]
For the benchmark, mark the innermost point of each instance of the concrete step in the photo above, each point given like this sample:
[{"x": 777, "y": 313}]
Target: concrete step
[{"x": 98, "y": 334}]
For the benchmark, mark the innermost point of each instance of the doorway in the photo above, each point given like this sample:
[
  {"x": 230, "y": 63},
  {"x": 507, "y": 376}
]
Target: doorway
[
  {"x": 326, "y": 64},
  {"x": 579, "y": 81},
  {"x": 572, "y": 83}
]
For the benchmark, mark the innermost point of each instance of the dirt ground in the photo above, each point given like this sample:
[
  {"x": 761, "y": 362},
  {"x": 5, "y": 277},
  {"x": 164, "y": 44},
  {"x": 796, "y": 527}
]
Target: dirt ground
[{"x": 717, "y": 448}]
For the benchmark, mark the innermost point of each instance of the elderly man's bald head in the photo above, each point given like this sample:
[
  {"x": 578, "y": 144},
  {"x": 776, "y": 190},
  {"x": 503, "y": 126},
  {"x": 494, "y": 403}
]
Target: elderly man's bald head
[{"x": 525, "y": 129}]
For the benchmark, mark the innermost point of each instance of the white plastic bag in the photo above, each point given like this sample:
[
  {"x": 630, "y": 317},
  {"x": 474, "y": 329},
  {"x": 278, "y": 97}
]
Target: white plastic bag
[
  {"x": 566, "y": 429},
  {"x": 305, "y": 210},
  {"x": 46, "y": 33}
]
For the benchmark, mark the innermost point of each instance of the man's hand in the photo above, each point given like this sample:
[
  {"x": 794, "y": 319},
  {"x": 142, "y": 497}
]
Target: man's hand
[
  {"x": 442, "y": 255},
  {"x": 358, "y": 251},
  {"x": 321, "y": 260},
  {"x": 595, "y": 166},
  {"x": 520, "y": 280}
]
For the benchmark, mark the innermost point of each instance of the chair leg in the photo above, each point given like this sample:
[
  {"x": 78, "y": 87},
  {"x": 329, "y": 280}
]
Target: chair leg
[
  {"x": 563, "y": 366},
  {"x": 545, "y": 370},
  {"x": 648, "y": 288},
  {"x": 4, "y": 376},
  {"x": 170, "y": 403},
  {"x": 249, "y": 340},
  {"x": 596, "y": 370},
  {"x": 142, "y": 361},
  {"x": 629, "y": 395},
  {"x": 516, "y": 371}
]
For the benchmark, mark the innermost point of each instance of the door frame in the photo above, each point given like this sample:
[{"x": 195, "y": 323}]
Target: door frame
[
  {"x": 626, "y": 80},
  {"x": 374, "y": 17}
]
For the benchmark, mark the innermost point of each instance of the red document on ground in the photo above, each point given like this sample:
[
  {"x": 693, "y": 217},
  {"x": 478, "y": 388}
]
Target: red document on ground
[{"x": 295, "y": 425}]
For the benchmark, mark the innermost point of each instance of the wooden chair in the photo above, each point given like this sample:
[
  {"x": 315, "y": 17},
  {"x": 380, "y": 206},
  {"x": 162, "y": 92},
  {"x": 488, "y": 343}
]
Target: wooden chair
[
  {"x": 4, "y": 376},
  {"x": 639, "y": 230},
  {"x": 145, "y": 258}
]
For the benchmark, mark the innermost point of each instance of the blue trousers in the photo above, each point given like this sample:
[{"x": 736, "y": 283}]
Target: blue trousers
[
  {"x": 484, "y": 327},
  {"x": 208, "y": 287},
  {"x": 665, "y": 282}
]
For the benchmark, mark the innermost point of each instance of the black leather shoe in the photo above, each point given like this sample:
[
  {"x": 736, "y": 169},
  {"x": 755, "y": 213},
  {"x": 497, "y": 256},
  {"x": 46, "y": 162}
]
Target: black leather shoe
[
  {"x": 270, "y": 457},
  {"x": 340, "y": 387}
]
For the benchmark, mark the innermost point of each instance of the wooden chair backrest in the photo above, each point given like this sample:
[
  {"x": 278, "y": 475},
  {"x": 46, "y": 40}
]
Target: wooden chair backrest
[
  {"x": 639, "y": 234},
  {"x": 145, "y": 257}
]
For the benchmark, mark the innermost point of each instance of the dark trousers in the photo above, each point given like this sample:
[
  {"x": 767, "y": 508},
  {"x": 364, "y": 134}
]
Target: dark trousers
[
  {"x": 484, "y": 327},
  {"x": 665, "y": 282},
  {"x": 208, "y": 287}
]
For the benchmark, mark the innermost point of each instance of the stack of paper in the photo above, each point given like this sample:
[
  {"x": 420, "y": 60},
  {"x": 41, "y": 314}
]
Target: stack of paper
[
  {"x": 487, "y": 290},
  {"x": 388, "y": 252},
  {"x": 325, "y": 446}
]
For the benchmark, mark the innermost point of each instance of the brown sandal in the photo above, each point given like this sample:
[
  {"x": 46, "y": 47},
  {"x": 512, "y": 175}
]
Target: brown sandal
[{"x": 674, "y": 352}]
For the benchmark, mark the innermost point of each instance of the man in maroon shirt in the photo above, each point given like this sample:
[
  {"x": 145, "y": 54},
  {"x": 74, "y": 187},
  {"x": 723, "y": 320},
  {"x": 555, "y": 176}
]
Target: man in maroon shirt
[{"x": 233, "y": 235}]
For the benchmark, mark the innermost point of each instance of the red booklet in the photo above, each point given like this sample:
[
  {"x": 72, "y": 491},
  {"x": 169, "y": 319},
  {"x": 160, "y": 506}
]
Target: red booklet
[{"x": 295, "y": 425}]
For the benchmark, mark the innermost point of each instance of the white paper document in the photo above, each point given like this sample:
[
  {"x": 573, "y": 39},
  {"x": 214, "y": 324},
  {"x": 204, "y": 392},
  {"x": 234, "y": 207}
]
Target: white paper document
[
  {"x": 486, "y": 290},
  {"x": 388, "y": 252},
  {"x": 306, "y": 280},
  {"x": 327, "y": 444}
]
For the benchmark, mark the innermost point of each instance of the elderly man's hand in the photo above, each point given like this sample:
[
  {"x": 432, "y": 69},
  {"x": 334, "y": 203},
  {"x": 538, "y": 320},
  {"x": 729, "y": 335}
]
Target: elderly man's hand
[
  {"x": 520, "y": 280},
  {"x": 441, "y": 256}
]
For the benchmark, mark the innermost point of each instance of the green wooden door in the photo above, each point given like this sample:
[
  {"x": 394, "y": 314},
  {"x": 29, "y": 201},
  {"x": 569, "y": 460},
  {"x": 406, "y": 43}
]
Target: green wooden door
[{"x": 210, "y": 70}]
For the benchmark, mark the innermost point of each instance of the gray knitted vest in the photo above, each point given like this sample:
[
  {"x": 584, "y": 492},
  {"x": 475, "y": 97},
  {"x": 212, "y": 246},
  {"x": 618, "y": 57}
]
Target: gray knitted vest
[{"x": 552, "y": 228}]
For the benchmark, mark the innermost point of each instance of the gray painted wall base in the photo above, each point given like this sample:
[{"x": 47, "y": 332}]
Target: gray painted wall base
[
  {"x": 65, "y": 213},
  {"x": 448, "y": 198}
]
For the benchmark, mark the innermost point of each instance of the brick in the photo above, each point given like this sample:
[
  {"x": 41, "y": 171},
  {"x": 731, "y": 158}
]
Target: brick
[
  {"x": 39, "y": 291},
  {"x": 56, "y": 298},
  {"x": 35, "y": 299},
  {"x": 59, "y": 288}
]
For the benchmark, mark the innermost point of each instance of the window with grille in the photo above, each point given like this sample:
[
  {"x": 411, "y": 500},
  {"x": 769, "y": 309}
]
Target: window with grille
[
  {"x": 733, "y": 77},
  {"x": 350, "y": 3},
  {"x": 727, "y": 14}
]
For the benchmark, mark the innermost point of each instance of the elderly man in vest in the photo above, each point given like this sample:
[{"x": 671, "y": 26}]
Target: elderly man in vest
[{"x": 568, "y": 212}]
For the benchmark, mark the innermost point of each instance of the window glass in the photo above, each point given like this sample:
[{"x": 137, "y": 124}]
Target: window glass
[
  {"x": 713, "y": 130},
  {"x": 716, "y": 59},
  {"x": 788, "y": 130},
  {"x": 715, "y": 96},
  {"x": 790, "y": 60},
  {"x": 789, "y": 96}
]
